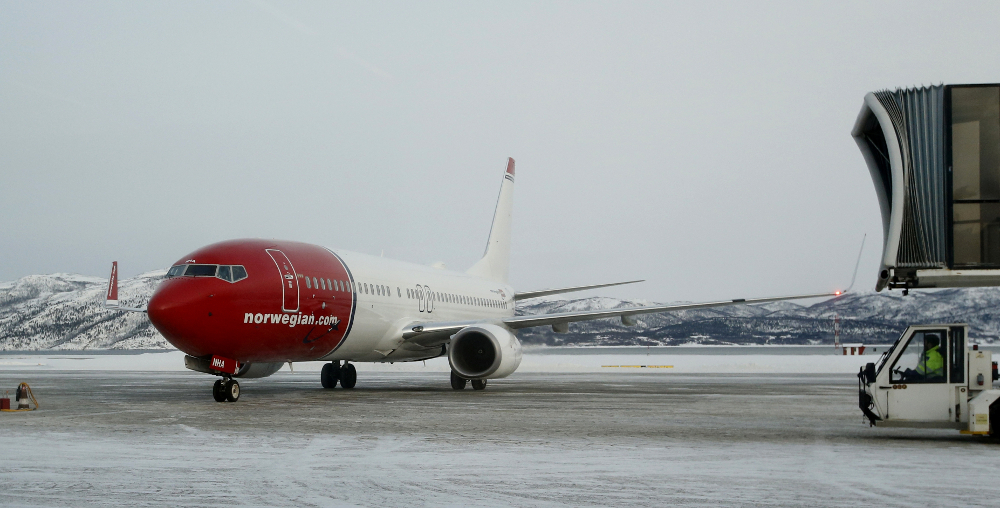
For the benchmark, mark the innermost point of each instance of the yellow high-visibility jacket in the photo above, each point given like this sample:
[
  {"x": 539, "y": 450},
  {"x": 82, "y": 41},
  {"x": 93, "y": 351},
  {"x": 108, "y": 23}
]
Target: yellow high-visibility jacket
[{"x": 932, "y": 364}]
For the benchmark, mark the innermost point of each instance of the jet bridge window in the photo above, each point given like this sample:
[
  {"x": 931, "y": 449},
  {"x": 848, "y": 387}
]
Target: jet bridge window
[
  {"x": 923, "y": 359},
  {"x": 975, "y": 181}
]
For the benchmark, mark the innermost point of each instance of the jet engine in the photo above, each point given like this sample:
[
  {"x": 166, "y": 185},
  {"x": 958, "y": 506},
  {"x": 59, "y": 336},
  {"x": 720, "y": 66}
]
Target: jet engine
[{"x": 484, "y": 352}]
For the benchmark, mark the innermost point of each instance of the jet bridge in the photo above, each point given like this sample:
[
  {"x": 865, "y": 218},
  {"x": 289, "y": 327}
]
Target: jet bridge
[{"x": 934, "y": 157}]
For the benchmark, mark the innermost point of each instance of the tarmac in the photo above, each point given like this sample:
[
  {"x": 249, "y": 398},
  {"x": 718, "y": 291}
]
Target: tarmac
[{"x": 125, "y": 438}]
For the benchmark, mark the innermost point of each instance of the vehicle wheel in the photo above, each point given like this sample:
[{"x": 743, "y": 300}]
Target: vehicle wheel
[
  {"x": 232, "y": 389},
  {"x": 219, "y": 391},
  {"x": 348, "y": 376},
  {"x": 478, "y": 384},
  {"x": 329, "y": 375},
  {"x": 458, "y": 382}
]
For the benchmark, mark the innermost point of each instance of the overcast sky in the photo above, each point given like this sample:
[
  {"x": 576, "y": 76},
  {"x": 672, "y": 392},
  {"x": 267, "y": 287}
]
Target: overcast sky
[{"x": 702, "y": 146}]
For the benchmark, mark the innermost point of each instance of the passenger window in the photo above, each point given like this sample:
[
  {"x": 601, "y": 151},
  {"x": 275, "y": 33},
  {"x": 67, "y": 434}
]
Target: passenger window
[
  {"x": 322, "y": 284},
  {"x": 329, "y": 284},
  {"x": 225, "y": 273},
  {"x": 239, "y": 273},
  {"x": 922, "y": 361},
  {"x": 307, "y": 283}
]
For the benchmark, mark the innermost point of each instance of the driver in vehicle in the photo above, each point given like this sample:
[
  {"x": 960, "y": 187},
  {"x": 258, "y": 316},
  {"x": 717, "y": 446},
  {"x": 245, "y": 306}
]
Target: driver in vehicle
[{"x": 931, "y": 366}]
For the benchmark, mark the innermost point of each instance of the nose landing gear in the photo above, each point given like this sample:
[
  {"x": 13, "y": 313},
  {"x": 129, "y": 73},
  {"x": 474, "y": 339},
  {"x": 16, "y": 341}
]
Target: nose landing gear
[{"x": 226, "y": 390}]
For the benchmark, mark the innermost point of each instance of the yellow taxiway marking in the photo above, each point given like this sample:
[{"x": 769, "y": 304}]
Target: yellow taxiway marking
[{"x": 638, "y": 366}]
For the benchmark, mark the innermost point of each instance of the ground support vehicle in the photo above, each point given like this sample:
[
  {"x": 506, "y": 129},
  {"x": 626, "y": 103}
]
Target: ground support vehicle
[{"x": 931, "y": 378}]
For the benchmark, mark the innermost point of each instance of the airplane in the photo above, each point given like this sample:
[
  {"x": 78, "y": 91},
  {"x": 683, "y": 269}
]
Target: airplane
[{"x": 244, "y": 308}]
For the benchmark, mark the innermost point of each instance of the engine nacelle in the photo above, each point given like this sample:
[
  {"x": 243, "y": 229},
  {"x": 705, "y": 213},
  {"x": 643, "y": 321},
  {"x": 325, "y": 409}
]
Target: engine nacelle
[
  {"x": 484, "y": 352},
  {"x": 257, "y": 369}
]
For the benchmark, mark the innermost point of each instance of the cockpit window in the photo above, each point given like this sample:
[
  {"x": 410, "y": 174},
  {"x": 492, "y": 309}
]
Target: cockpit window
[
  {"x": 239, "y": 273},
  {"x": 228, "y": 273},
  {"x": 201, "y": 270}
]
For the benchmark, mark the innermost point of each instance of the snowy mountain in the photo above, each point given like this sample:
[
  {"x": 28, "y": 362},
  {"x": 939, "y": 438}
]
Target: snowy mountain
[
  {"x": 872, "y": 318},
  {"x": 63, "y": 311}
]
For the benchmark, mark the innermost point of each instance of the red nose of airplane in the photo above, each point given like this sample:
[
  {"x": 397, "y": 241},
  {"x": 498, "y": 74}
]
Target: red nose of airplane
[{"x": 179, "y": 310}]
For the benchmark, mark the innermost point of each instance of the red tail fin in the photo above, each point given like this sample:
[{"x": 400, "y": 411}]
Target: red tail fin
[{"x": 112, "y": 296}]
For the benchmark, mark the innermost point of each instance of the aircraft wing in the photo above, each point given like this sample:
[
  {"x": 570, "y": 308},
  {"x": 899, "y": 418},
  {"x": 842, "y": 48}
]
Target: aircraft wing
[
  {"x": 434, "y": 334},
  {"x": 524, "y": 295}
]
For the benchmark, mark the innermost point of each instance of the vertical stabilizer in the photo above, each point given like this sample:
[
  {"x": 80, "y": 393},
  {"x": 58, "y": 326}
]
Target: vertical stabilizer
[{"x": 495, "y": 264}]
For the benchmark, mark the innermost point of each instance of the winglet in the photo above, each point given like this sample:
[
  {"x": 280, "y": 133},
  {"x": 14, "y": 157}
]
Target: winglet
[
  {"x": 112, "y": 297},
  {"x": 856, "y": 264}
]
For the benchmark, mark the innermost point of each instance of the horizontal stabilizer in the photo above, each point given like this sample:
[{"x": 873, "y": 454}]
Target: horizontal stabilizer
[{"x": 546, "y": 292}]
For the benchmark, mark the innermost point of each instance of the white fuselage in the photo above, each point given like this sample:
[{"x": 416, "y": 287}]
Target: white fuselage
[{"x": 392, "y": 294}]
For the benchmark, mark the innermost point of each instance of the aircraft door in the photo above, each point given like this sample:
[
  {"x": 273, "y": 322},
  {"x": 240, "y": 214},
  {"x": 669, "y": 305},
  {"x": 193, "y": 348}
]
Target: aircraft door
[
  {"x": 425, "y": 299},
  {"x": 289, "y": 281}
]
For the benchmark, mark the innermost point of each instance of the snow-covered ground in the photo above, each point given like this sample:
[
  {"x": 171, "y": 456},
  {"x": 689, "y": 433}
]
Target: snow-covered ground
[
  {"x": 597, "y": 438},
  {"x": 714, "y": 361}
]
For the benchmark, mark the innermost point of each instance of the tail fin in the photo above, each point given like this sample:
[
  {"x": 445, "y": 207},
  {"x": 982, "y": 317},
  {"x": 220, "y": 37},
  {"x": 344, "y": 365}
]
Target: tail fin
[
  {"x": 495, "y": 264},
  {"x": 111, "y": 299}
]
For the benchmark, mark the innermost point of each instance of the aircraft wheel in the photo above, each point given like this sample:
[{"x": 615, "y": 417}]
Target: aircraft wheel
[
  {"x": 478, "y": 384},
  {"x": 219, "y": 391},
  {"x": 348, "y": 376},
  {"x": 330, "y": 375},
  {"x": 457, "y": 382},
  {"x": 232, "y": 389}
]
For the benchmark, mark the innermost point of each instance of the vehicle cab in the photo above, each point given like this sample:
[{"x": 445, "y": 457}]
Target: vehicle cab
[{"x": 931, "y": 378}]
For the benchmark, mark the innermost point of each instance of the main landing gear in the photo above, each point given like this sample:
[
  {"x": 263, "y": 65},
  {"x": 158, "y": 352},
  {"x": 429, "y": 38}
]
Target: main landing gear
[
  {"x": 226, "y": 390},
  {"x": 333, "y": 373},
  {"x": 458, "y": 382}
]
